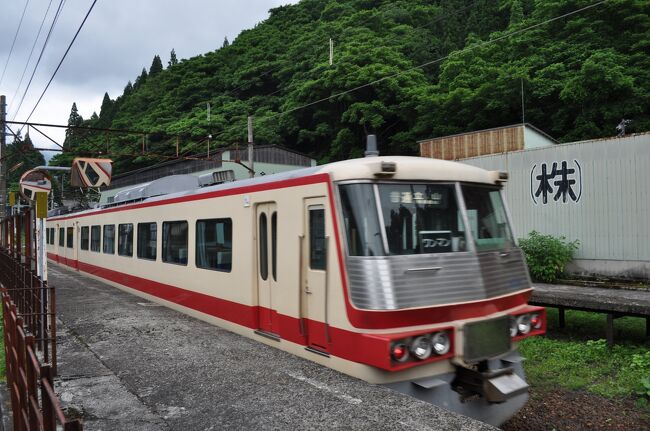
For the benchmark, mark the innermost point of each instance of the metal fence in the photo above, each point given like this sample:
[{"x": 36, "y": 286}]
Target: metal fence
[
  {"x": 29, "y": 318},
  {"x": 34, "y": 404},
  {"x": 33, "y": 297}
]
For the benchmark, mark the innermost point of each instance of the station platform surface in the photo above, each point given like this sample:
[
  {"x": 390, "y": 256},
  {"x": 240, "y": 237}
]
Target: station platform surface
[{"x": 129, "y": 364}]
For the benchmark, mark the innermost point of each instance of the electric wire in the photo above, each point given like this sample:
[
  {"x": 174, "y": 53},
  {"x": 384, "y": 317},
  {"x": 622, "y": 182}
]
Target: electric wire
[
  {"x": 40, "y": 56},
  {"x": 20, "y": 23},
  {"x": 62, "y": 59},
  {"x": 31, "y": 53}
]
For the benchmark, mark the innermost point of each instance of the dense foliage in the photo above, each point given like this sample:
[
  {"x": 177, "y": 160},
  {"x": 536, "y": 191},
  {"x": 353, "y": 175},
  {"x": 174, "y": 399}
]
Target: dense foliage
[
  {"x": 581, "y": 75},
  {"x": 546, "y": 255}
]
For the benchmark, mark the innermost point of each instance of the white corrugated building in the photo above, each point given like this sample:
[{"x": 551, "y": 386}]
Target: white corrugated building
[{"x": 596, "y": 191}]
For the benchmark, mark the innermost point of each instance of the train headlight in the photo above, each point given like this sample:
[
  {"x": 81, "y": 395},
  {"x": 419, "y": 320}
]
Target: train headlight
[
  {"x": 421, "y": 347},
  {"x": 399, "y": 352},
  {"x": 524, "y": 324},
  {"x": 513, "y": 326},
  {"x": 440, "y": 343},
  {"x": 536, "y": 321}
]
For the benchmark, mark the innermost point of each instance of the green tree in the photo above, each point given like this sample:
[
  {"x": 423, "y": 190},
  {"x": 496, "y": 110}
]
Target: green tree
[
  {"x": 225, "y": 42},
  {"x": 21, "y": 157},
  {"x": 140, "y": 80},
  {"x": 156, "y": 66},
  {"x": 72, "y": 135},
  {"x": 172, "y": 59}
]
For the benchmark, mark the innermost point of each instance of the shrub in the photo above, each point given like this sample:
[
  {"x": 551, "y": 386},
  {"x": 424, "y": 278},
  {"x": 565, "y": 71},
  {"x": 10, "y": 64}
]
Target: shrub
[{"x": 547, "y": 255}]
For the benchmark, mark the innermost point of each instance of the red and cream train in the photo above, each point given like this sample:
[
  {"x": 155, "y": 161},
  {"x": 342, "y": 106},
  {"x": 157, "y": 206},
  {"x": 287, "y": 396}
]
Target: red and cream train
[{"x": 400, "y": 271}]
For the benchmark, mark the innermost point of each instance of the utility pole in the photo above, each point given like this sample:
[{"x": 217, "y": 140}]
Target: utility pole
[
  {"x": 523, "y": 107},
  {"x": 250, "y": 146},
  {"x": 331, "y": 51},
  {"x": 3, "y": 153}
]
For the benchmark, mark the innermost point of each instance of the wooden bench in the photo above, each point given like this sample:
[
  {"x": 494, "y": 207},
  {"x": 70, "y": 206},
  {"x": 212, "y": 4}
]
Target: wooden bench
[{"x": 614, "y": 303}]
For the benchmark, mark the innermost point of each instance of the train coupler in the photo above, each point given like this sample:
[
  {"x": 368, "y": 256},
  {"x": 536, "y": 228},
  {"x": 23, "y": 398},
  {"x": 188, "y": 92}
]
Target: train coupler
[{"x": 496, "y": 386}]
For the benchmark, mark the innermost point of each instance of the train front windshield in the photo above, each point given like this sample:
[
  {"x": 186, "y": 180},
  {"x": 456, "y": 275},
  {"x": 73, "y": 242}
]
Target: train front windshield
[{"x": 399, "y": 219}]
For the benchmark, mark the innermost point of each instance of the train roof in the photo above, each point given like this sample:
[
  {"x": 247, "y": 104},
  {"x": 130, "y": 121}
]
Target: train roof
[{"x": 399, "y": 168}]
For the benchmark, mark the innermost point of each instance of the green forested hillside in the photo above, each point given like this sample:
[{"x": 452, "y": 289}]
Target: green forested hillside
[{"x": 581, "y": 75}]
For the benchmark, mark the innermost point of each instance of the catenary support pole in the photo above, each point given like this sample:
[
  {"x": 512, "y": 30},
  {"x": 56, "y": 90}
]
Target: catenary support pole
[
  {"x": 251, "y": 162},
  {"x": 3, "y": 152}
]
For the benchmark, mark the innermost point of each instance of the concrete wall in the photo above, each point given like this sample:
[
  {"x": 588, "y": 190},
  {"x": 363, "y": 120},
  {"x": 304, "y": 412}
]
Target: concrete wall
[{"x": 599, "y": 193}]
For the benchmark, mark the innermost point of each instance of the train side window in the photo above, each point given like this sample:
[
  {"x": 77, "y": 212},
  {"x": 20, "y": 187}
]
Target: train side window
[
  {"x": 174, "y": 242},
  {"x": 61, "y": 237},
  {"x": 147, "y": 240},
  {"x": 85, "y": 237},
  {"x": 125, "y": 239},
  {"x": 70, "y": 237},
  {"x": 274, "y": 246},
  {"x": 109, "y": 239},
  {"x": 264, "y": 257},
  {"x": 214, "y": 244},
  {"x": 317, "y": 249},
  {"x": 95, "y": 238}
]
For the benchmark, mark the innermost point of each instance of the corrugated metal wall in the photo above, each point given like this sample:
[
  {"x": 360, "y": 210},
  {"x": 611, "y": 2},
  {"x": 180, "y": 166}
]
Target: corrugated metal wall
[{"x": 596, "y": 191}]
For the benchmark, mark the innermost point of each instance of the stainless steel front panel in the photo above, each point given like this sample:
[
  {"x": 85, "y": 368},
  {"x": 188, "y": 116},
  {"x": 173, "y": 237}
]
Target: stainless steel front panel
[
  {"x": 400, "y": 282},
  {"x": 503, "y": 271}
]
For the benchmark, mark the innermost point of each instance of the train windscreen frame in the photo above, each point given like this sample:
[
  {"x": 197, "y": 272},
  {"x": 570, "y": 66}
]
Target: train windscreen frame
[{"x": 401, "y": 218}]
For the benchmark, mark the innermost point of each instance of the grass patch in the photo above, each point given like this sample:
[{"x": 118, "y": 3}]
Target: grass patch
[{"x": 577, "y": 358}]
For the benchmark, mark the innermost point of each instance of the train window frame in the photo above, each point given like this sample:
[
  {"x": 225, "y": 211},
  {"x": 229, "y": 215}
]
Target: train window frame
[
  {"x": 274, "y": 245},
  {"x": 466, "y": 245},
  {"x": 108, "y": 240},
  {"x": 141, "y": 248},
  {"x": 169, "y": 254},
  {"x": 128, "y": 236},
  {"x": 84, "y": 238},
  {"x": 263, "y": 246},
  {"x": 61, "y": 237},
  {"x": 96, "y": 238},
  {"x": 317, "y": 261},
  {"x": 202, "y": 256},
  {"x": 479, "y": 232},
  {"x": 69, "y": 237}
]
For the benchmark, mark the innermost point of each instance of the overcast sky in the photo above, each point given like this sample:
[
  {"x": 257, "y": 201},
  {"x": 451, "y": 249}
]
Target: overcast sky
[{"x": 119, "y": 38}]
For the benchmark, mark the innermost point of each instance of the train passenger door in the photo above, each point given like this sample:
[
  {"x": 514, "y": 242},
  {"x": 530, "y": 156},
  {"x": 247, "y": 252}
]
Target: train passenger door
[
  {"x": 267, "y": 246},
  {"x": 314, "y": 273}
]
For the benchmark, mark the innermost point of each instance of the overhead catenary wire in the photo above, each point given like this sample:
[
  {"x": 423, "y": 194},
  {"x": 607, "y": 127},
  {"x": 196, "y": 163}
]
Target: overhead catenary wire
[
  {"x": 62, "y": 59},
  {"x": 20, "y": 23},
  {"x": 31, "y": 52},
  {"x": 40, "y": 56}
]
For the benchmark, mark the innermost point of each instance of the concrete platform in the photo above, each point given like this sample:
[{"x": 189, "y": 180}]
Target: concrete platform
[
  {"x": 128, "y": 364},
  {"x": 612, "y": 302}
]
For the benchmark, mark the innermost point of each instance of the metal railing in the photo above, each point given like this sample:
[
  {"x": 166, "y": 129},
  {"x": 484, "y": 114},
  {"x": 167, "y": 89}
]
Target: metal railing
[
  {"x": 34, "y": 299},
  {"x": 28, "y": 306},
  {"x": 34, "y": 404}
]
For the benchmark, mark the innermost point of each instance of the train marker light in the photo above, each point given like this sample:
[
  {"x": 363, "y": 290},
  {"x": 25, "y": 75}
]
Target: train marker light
[
  {"x": 421, "y": 347},
  {"x": 399, "y": 352},
  {"x": 536, "y": 321},
  {"x": 524, "y": 324},
  {"x": 440, "y": 343}
]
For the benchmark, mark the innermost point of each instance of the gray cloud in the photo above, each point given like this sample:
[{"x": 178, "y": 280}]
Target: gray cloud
[{"x": 118, "y": 40}]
